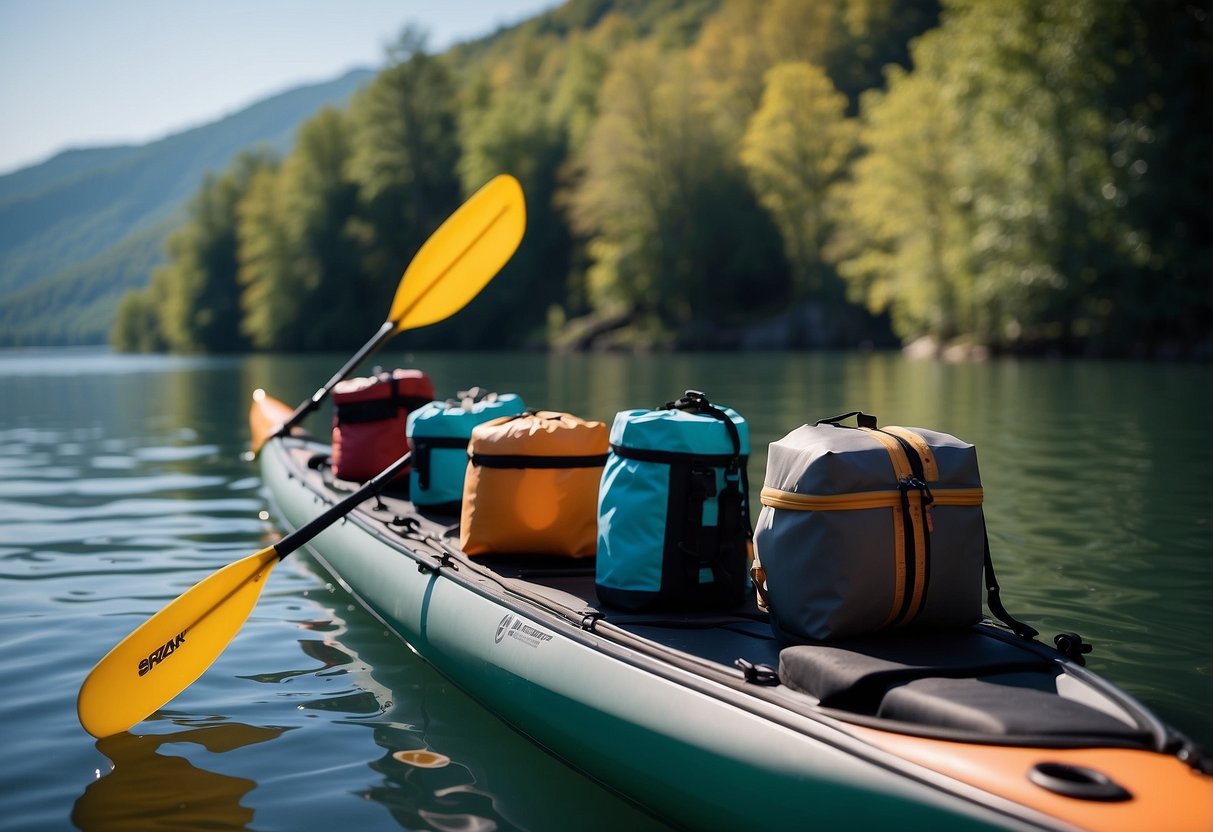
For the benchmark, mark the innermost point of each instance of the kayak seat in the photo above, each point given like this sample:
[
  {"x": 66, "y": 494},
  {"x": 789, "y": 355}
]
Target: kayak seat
[
  {"x": 854, "y": 675},
  {"x": 1004, "y": 706},
  {"x": 955, "y": 680}
]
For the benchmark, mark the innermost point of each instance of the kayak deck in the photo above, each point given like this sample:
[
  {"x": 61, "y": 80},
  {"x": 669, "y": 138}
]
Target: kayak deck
[
  {"x": 919, "y": 704},
  {"x": 567, "y": 585},
  {"x": 980, "y": 684}
]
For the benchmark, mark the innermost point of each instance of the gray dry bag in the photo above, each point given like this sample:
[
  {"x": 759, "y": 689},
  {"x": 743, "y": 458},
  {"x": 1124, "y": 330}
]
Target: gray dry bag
[{"x": 864, "y": 529}]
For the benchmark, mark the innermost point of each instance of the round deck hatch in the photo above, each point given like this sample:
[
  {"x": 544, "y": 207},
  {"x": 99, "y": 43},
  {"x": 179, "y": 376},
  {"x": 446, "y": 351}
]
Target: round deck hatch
[{"x": 1078, "y": 782}]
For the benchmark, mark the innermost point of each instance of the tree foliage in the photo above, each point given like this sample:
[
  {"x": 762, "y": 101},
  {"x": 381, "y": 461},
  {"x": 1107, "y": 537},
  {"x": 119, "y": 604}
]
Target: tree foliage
[
  {"x": 795, "y": 150},
  {"x": 197, "y": 291},
  {"x": 999, "y": 196},
  {"x": 1020, "y": 174}
]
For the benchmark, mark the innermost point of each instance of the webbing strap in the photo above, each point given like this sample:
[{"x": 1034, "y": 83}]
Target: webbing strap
[
  {"x": 521, "y": 461},
  {"x": 422, "y": 446},
  {"x": 994, "y": 596},
  {"x": 672, "y": 457},
  {"x": 911, "y": 538},
  {"x": 778, "y": 498},
  {"x": 930, "y": 470},
  {"x": 694, "y": 401}
]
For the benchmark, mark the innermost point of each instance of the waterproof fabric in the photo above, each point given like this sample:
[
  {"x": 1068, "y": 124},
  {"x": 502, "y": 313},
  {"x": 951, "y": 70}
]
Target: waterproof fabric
[
  {"x": 438, "y": 434},
  {"x": 532, "y": 485},
  {"x": 673, "y": 525},
  {"x": 864, "y": 530},
  {"x": 369, "y": 420}
]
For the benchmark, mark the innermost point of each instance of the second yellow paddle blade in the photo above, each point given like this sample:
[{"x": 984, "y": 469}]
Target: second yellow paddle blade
[
  {"x": 165, "y": 654},
  {"x": 266, "y": 416},
  {"x": 463, "y": 255}
]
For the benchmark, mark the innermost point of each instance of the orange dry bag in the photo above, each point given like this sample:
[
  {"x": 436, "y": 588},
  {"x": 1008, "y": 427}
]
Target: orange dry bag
[{"x": 532, "y": 486}]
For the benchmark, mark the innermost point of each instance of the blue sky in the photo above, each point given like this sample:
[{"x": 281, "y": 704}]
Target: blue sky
[{"x": 81, "y": 73}]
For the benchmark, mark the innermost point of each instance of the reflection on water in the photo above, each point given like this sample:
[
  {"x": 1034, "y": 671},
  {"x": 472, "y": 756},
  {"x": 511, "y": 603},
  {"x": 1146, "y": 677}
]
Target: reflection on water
[
  {"x": 447, "y": 764},
  {"x": 121, "y": 487},
  {"x": 438, "y": 761},
  {"x": 148, "y": 790}
]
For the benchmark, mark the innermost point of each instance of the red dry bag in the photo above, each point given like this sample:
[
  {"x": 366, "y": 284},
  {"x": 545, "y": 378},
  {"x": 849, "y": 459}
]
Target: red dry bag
[{"x": 369, "y": 420}]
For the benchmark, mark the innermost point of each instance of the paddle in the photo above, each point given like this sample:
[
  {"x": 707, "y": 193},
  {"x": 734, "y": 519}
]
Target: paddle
[
  {"x": 169, "y": 651},
  {"x": 449, "y": 269},
  {"x": 165, "y": 654}
]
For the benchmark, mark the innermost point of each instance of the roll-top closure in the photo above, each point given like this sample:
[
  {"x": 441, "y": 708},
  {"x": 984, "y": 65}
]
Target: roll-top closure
[{"x": 542, "y": 434}]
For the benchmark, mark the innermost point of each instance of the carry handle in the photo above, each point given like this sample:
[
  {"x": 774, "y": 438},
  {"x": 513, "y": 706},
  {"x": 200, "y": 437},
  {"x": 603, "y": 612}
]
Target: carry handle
[
  {"x": 467, "y": 399},
  {"x": 694, "y": 401},
  {"x": 863, "y": 420}
]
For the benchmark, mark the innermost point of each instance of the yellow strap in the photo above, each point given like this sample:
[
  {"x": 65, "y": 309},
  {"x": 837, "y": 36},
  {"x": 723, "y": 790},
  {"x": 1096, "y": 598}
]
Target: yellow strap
[
  {"x": 901, "y": 462},
  {"x": 777, "y": 498},
  {"x": 918, "y": 523},
  {"x": 930, "y": 470},
  {"x": 902, "y": 469},
  {"x": 899, "y": 566}
]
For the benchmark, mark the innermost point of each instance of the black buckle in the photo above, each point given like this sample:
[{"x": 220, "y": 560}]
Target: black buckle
[
  {"x": 758, "y": 674},
  {"x": 1072, "y": 646}
]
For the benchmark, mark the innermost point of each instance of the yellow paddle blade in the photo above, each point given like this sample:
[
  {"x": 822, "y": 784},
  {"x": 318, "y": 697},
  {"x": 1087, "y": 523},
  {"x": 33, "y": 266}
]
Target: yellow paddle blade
[
  {"x": 462, "y": 256},
  {"x": 165, "y": 654},
  {"x": 266, "y": 416}
]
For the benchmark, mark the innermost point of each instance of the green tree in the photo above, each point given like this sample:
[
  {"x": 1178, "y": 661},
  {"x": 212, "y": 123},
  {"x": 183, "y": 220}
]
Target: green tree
[
  {"x": 677, "y": 237},
  {"x": 744, "y": 40},
  {"x": 511, "y": 130},
  {"x": 796, "y": 148},
  {"x": 272, "y": 292},
  {"x": 299, "y": 260},
  {"x": 1160, "y": 298},
  {"x": 587, "y": 59},
  {"x": 852, "y": 40},
  {"x": 405, "y": 151},
  {"x": 197, "y": 289},
  {"x": 1012, "y": 219},
  {"x": 1029, "y": 77},
  {"x": 904, "y": 240},
  {"x": 137, "y": 324}
]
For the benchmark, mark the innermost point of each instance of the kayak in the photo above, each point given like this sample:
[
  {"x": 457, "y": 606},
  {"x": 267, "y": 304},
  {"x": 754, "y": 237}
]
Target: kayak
[{"x": 707, "y": 721}]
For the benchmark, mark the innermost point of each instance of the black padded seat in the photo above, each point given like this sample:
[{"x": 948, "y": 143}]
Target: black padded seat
[
  {"x": 999, "y": 706},
  {"x": 963, "y": 681},
  {"x": 854, "y": 675}
]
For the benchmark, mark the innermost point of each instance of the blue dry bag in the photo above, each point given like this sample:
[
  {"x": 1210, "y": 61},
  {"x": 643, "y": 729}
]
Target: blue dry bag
[
  {"x": 673, "y": 514},
  {"x": 438, "y": 434}
]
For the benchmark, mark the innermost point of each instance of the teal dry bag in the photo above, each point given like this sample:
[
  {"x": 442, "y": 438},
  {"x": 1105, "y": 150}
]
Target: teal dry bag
[
  {"x": 438, "y": 434},
  {"x": 673, "y": 514}
]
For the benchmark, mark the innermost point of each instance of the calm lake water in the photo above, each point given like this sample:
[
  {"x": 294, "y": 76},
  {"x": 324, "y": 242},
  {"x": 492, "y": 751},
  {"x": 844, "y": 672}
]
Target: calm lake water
[{"x": 121, "y": 486}]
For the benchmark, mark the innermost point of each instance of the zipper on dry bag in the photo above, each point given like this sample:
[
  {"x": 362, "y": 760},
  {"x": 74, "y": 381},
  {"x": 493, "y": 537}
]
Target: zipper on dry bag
[
  {"x": 912, "y": 532},
  {"x": 918, "y": 454}
]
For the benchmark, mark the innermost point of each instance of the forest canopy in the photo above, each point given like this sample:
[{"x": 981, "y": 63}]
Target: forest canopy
[{"x": 1011, "y": 175}]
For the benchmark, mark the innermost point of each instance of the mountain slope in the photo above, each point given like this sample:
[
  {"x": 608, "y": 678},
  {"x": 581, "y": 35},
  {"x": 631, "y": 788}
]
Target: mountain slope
[{"x": 62, "y": 222}]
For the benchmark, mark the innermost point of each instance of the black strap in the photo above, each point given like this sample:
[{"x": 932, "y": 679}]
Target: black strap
[
  {"x": 523, "y": 461},
  {"x": 671, "y": 457},
  {"x": 994, "y": 601},
  {"x": 378, "y": 410},
  {"x": 736, "y": 477},
  {"x": 862, "y": 419},
  {"x": 423, "y": 445}
]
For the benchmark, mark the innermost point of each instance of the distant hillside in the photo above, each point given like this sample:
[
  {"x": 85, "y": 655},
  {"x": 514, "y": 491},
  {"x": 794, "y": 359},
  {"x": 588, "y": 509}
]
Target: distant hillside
[{"x": 80, "y": 229}]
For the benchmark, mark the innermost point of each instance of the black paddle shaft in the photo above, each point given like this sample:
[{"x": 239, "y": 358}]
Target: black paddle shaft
[
  {"x": 380, "y": 338},
  {"x": 373, "y": 486}
]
